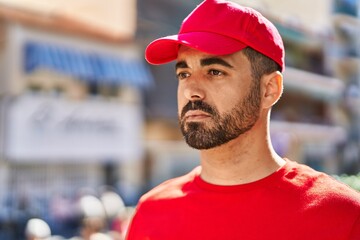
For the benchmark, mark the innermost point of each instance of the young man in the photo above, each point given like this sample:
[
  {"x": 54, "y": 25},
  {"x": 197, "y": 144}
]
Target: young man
[{"x": 229, "y": 61}]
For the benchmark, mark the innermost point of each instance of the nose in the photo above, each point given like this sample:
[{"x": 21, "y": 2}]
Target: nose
[{"x": 193, "y": 90}]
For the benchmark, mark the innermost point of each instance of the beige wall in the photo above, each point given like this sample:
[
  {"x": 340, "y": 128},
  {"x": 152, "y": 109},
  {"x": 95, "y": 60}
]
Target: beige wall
[
  {"x": 111, "y": 17},
  {"x": 313, "y": 15}
]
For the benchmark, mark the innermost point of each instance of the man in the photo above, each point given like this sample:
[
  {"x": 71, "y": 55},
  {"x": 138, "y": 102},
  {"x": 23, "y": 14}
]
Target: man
[{"x": 229, "y": 61}]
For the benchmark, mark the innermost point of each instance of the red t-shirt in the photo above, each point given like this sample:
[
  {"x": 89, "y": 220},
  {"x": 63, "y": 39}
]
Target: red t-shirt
[{"x": 295, "y": 202}]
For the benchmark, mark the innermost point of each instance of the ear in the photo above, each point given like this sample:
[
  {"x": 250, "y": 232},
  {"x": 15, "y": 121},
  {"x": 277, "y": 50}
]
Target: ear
[{"x": 272, "y": 88}]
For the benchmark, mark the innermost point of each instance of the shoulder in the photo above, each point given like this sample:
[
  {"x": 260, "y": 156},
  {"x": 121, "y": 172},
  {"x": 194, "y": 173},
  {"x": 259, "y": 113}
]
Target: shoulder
[
  {"x": 320, "y": 186},
  {"x": 170, "y": 189}
]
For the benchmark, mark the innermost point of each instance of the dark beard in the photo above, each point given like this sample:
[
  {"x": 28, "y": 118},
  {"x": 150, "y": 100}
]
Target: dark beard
[{"x": 237, "y": 121}]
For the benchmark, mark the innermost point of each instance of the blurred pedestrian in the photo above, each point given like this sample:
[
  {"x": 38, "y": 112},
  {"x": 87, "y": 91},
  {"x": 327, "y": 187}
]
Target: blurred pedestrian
[
  {"x": 37, "y": 229},
  {"x": 93, "y": 216},
  {"x": 229, "y": 64},
  {"x": 100, "y": 236},
  {"x": 90, "y": 226},
  {"x": 115, "y": 211}
]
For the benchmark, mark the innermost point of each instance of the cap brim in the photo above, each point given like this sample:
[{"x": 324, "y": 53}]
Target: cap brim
[{"x": 165, "y": 49}]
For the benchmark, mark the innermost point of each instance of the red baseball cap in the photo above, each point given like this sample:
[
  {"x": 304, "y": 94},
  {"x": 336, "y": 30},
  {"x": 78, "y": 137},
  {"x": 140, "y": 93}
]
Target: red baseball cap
[{"x": 220, "y": 27}]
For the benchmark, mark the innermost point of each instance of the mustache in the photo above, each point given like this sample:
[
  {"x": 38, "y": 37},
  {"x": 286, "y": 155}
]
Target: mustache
[{"x": 197, "y": 105}]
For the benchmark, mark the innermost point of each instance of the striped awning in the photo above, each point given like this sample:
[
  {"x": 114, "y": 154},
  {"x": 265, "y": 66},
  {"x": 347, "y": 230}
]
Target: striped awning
[{"x": 89, "y": 66}]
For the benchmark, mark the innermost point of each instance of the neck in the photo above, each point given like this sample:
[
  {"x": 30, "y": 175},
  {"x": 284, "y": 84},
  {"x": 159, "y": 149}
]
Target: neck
[{"x": 248, "y": 158}]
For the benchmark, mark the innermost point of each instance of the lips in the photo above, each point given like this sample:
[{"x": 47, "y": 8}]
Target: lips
[
  {"x": 196, "y": 115},
  {"x": 197, "y": 111}
]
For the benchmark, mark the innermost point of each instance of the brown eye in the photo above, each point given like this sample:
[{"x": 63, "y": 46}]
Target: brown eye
[
  {"x": 215, "y": 72},
  {"x": 182, "y": 75}
]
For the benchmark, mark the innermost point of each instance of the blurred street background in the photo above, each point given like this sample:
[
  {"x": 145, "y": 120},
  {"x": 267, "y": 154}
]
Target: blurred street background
[{"x": 87, "y": 126}]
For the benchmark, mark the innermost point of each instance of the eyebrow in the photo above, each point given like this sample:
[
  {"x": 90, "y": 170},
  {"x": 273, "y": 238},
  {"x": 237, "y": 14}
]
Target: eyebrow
[
  {"x": 205, "y": 62},
  {"x": 215, "y": 60},
  {"x": 181, "y": 64}
]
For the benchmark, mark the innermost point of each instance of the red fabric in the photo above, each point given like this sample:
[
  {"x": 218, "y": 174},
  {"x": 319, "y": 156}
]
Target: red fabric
[{"x": 295, "y": 202}]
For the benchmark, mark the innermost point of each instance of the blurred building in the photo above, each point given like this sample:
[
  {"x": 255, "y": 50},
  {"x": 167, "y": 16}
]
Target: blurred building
[
  {"x": 344, "y": 57},
  {"x": 71, "y": 106}
]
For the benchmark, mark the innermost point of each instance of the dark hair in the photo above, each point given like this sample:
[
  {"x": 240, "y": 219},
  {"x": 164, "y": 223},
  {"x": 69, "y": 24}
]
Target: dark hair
[{"x": 260, "y": 64}]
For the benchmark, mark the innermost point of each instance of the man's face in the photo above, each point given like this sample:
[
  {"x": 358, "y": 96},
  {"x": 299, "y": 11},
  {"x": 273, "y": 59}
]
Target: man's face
[{"x": 217, "y": 98}]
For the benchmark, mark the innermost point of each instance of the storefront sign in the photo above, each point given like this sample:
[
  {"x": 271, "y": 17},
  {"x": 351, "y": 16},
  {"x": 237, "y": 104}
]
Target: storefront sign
[{"x": 54, "y": 129}]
